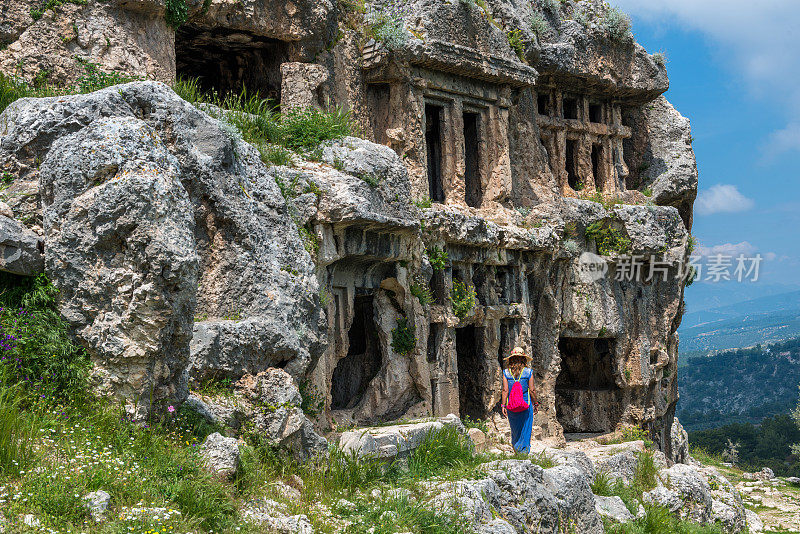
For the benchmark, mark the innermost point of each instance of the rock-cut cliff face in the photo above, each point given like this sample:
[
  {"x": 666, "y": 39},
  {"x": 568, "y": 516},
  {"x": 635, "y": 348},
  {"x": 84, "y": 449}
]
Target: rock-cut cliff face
[{"x": 518, "y": 181}]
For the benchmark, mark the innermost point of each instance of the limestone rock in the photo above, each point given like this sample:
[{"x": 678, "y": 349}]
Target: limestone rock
[
  {"x": 397, "y": 441},
  {"x": 221, "y": 455},
  {"x": 185, "y": 221},
  {"x": 270, "y": 388},
  {"x": 620, "y": 466},
  {"x": 121, "y": 251},
  {"x": 21, "y": 250},
  {"x": 574, "y": 496},
  {"x": 97, "y": 504},
  {"x": 274, "y": 516},
  {"x": 478, "y": 438},
  {"x": 691, "y": 489},
  {"x": 299, "y": 84},
  {"x": 612, "y": 508},
  {"x": 754, "y": 523},
  {"x": 679, "y": 442}
]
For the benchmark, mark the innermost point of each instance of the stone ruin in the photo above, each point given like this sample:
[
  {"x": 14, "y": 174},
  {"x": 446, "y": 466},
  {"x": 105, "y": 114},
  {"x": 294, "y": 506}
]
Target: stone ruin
[{"x": 505, "y": 145}]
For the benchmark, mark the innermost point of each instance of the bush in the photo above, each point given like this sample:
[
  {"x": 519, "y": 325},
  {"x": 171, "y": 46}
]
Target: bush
[
  {"x": 617, "y": 24},
  {"x": 440, "y": 450},
  {"x": 462, "y": 298},
  {"x": 608, "y": 239},
  {"x": 420, "y": 290},
  {"x": 176, "y": 13},
  {"x": 307, "y": 128},
  {"x": 36, "y": 348},
  {"x": 538, "y": 25},
  {"x": 515, "y": 42},
  {"x": 437, "y": 257},
  {"x": 386, "y": 24},
  {"x": 403, "y": 337}
]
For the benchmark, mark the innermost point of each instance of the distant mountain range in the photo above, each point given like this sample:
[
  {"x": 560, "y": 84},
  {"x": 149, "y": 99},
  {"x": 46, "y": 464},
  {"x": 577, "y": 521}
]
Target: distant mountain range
[
  {"x": 739, "y": 386},
  {"x": 766, "y": 319}
]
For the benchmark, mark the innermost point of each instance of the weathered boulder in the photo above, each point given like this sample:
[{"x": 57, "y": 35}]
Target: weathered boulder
[
  {"x": 221, "y": 455},
  {"x": 156, "y": 213},
  {"x": 275, "y": 517},
  {"x": 680, "y": 443},
  {"x": 21, "y": 250},
  {"x": 120, "y": 248},
  {"x": 612, "y": 508},
  {"x": 97, "y": 504},
  {"x": 689, "y": 494},
  {"x": 574, "y": 497},
  {"x": 397, "y": 441},
  {"x": 664, "y": 161},
  {"x": 754, "y": 522},
  {"x": 271, "y": 400}
]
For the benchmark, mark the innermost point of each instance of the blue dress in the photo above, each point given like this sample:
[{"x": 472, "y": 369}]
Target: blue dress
[{"x": 521, "y": 422}]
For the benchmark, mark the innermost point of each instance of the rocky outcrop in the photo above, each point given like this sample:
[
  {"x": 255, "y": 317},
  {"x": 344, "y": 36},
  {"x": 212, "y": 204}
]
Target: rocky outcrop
[
  {"x": 157, "y": 215},
  {"x": 221, "y": 455},
  {"x": 525, "y": 496},
  {"x": 21, "y": 250}
]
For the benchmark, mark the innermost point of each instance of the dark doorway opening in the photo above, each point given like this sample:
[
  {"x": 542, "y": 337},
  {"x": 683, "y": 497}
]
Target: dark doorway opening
[
  {"x": 434, "y": 340},
  {"x": 226, "y": 61},
  {"x": 595, "y": 112},
  {"x": 471, "y": 387},
  {"x": 569, "y": 164},
  {"x": 543, "y": 104},
  {"x": 570, "y": 108},
  {"x": 472, "y": 175},
  {"x": 355, "y": 371},
  {"x": 587, "y": 396},
  {"x": 433, "y": 144},
  {"x": 597, "y": 166}
]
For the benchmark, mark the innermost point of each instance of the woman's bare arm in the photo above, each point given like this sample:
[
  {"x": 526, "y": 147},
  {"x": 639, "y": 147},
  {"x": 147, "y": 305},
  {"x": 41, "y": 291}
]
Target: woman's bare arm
[
  {"x": 504, "y": 400},
  {"x": 532, "y": 391}
]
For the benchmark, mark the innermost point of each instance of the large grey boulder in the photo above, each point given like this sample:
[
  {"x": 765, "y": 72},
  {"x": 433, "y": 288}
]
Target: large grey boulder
[
  {"x": 394, "y": 441},
  {"x": 612, "y": 508},
  {"x": 688, "y": 487},
  {"x": 271, "y": 401},
  {"x": 574, "y": 497},
  {"x": 96, "y": 503},
  {"x": 21, "y": 250},
  {"x": 120, "y": 248},
  {"x": 221, "y": 455},
  {"x": 157, "y": 215}
]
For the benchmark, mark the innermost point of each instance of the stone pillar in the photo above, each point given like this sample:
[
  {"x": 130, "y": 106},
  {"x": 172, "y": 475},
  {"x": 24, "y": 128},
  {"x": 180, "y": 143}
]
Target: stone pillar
[{"x": 299, "y": 84}]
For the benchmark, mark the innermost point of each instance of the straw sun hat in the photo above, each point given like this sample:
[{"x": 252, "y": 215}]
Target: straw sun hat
[{"x": 518, "y": 352}]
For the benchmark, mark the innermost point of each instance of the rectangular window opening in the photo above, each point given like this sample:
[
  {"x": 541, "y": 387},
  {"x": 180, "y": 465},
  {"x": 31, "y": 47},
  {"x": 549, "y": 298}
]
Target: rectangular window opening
[
  {"x": 570, "y": 108},
  {"x": 433, "y": 143},
  {"x": 595, "y": 112},
  {"x": 569, "y": 163},
  {"x": 543, "y": 104},
  {"x": 597, "y": 166},
  {"x": 472, "y": 175}
]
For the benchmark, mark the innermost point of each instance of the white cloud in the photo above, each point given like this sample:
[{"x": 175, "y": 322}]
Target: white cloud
[
  {"x": 721, "y": 198},
  {"x": 758, "y": 40},
  {"x": 728, "y": 249}
]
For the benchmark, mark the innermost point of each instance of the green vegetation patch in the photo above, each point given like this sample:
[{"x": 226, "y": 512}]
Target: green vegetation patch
[{"x": 609, "y": 240}]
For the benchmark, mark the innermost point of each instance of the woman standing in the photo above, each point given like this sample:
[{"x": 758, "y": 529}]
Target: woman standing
[{"x": 519, "y": 409}]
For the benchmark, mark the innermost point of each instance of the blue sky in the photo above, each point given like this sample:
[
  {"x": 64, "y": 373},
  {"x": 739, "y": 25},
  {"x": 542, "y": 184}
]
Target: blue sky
[{"x": 734, "y": 70}]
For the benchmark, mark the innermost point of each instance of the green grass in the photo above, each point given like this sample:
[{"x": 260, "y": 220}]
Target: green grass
[
  {"x": 658, "y": 520},
  {"x": 608, "y": 239},
  {"x": 277, "y": 136}
]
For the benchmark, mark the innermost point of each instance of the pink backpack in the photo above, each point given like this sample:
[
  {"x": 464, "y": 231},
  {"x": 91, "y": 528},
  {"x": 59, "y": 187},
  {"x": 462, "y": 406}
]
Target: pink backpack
[{"x": 516, "y": 400}]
